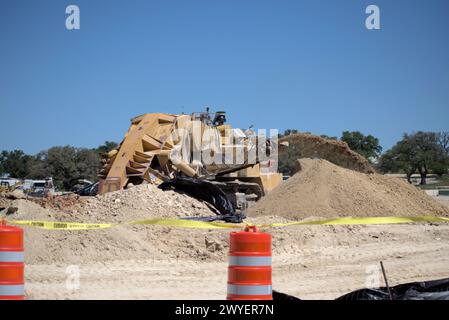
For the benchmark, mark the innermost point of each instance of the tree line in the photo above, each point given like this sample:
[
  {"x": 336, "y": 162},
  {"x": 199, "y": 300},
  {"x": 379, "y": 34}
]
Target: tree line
[
  {"x": 65, "y": 164},
  {"x": 418, "y": 152}
]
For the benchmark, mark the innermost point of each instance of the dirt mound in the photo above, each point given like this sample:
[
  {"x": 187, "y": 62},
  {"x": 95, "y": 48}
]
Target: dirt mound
[
  {"x": 59, "y": 202},
  {"x": 4, "y": 202},
  {"x": 303, "y": 145},
  {"x": 322, "y": 189},
  {"x": 140, "y": 202},
  {"x": 121, "y": 242}
]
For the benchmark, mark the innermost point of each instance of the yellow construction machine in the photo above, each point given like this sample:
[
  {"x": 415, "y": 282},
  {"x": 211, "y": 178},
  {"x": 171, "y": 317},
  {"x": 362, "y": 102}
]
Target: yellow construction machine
[{"x": 219, "y": 156}]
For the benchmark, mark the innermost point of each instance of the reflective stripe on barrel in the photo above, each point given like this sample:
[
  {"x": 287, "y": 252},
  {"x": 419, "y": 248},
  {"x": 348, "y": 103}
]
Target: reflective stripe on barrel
[
  {"x": 245, "y": 261},
  {"x": 13, "y": 256},
  {"x": 249, "y": 289},
  {"x": 11, "y": 263},
  {"x": 12, "y": 290},
  {"x": 249, "y": 271}
]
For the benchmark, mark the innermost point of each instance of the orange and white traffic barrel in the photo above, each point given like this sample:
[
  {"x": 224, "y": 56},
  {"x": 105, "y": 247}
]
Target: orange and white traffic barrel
[
  {"x": 249, "y": 271},
  {"x": 11, "y": 263}
]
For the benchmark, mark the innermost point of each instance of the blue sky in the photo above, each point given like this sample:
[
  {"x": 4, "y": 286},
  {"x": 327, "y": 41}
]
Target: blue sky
[{"x": 310, "y": 65}]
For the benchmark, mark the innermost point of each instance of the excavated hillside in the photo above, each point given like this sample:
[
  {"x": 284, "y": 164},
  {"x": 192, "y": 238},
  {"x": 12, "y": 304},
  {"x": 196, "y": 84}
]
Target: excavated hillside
[
  {"x": 323, "y": 189},
  {"x": 303, "y": 145}
]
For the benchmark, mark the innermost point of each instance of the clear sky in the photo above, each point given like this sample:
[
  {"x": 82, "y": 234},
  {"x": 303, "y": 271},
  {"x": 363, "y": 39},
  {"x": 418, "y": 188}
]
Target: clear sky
[{"x": 310, "y": 65}]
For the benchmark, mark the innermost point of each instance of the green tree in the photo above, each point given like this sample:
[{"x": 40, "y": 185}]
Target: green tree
[
  {"x": 61, "y": 164},
  {"x": 325, "y": 136},
  {"x": 443, "y": 140},
  {"x": 37, "y": 166},
  {"x": 66, "y": 164},
  {"x": 87, "y": 163},
  {"x": 417, "y": 152},
  {"x": 15, "y": 163},
  {"x": 368, "y": 146},
  {"x": 107, "y": 146},
  {"x": 288, "y": 132}
]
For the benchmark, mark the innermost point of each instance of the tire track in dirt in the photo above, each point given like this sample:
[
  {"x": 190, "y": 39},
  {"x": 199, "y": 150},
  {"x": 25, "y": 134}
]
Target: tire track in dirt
[{"x": 306, "y": 269}]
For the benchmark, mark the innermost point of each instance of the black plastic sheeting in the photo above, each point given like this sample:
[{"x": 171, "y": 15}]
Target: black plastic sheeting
[
  {"x": 426, "y": 290},
  {"x": 206, "y": 191},
  {"x": 279, "y": 296}
]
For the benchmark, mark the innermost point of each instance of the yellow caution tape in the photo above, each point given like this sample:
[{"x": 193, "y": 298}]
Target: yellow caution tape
[
  {"x": 50, "y": 225},
  {"x": 364, "y": 221},
  {"x": 181, "y": 223}
]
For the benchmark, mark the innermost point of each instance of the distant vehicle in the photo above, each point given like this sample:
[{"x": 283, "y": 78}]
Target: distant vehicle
[
  {"x": 9, "y": 182},
  {"x": 27, "y": 184},
  {"x": 39, "y": 188}
]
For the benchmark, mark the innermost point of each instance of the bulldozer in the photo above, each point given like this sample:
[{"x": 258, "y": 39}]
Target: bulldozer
[{"x": 201, "y": 150}]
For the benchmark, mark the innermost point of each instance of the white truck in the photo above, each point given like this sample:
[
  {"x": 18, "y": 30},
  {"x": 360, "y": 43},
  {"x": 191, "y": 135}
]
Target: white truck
[{"x": 38, "y": 188}]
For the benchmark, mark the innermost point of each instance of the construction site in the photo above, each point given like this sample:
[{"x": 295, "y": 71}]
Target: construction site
[
  {"x": 214, "y": 158},
  {"x": 129, "y": 243}
]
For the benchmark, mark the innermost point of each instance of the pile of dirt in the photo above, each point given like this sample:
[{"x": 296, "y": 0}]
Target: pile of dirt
[
  {"x": 142, "y": 201},
  {"x": 322, "y": 189},
  {"x": 121, "y": 242},
  {"x": 4, "y": 202},
  {"x": 58, "y": 202},
  {"x": 139, "y": 202},
  {"x": 303, "y": 145}
]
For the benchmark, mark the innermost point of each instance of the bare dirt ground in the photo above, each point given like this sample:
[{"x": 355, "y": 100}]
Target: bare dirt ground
[
  {"x": 322, "y": 262},
  {"x": 160, "y": 262},
  {"x": 443, "y": 200}
]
